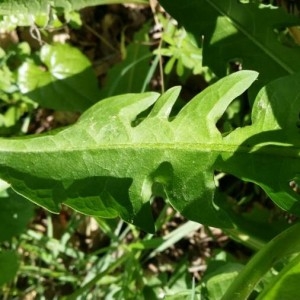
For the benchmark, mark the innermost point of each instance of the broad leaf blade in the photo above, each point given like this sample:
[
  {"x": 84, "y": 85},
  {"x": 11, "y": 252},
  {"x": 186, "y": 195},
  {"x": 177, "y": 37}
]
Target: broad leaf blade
[{"x": 233, "y": 30}]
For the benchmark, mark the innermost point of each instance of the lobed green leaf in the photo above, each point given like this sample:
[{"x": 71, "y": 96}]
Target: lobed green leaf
[{"x": 105, "y": 165}]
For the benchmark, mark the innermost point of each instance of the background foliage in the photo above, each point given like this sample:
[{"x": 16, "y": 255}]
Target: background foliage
[{"x": 127, "y": 153}]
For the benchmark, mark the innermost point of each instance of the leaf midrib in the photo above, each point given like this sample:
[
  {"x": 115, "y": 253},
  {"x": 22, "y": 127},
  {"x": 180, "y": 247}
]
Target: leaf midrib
[{"x": 281, "y": 150}]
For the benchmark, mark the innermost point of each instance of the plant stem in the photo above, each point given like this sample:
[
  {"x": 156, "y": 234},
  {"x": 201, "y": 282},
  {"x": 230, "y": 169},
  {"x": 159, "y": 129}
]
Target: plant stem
[
  {"x": 285, "y": 243},
  {"x": 249, "y": 240}
]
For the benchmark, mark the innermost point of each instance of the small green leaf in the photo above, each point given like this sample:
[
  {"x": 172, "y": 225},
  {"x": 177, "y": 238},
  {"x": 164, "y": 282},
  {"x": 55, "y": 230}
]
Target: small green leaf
[
  {"x": 15, "y": 214},
  {"x": 219, "y": 281},
  {"x": 65, "y": 82},
  {"x": 9, "y": 265},
  {"x": 170, "y": 64},
  {"x": 182, "y": 48}
]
